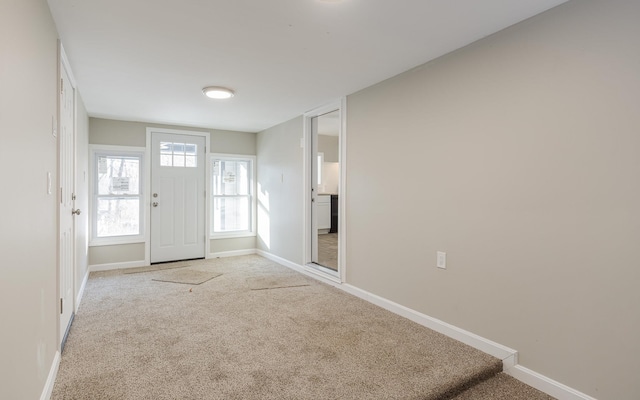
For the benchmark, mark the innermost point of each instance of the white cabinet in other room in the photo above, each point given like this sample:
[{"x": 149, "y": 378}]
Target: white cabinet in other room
[{"x": 323, "y": 206}]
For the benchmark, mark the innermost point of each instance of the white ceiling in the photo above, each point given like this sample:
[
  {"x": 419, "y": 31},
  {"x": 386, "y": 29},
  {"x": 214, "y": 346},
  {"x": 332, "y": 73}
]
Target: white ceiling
[{"x": 147, "y": 60}]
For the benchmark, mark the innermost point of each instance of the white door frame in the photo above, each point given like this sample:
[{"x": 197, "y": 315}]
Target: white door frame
[
  {"x": 341, "y": 106},
  {"x": 207, "y": 178}
]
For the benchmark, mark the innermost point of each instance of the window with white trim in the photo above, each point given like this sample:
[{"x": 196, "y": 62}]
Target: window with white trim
[
  {"x": 232, "y": 199},
  {"x": 117, "y": 207}
]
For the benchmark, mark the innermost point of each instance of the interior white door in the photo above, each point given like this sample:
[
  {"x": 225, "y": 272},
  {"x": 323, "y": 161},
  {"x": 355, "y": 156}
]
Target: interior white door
[
  {"x": 177, "y": 197},
  {"x": 66, "y": 180}
]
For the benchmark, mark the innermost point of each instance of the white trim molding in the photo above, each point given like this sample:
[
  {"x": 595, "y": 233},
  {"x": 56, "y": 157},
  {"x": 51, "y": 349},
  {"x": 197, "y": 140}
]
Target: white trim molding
[
  {"x": 81, "y": 289},
  {"x": 545, "y": 384},
  {"x": 307, "y": 143},
  {"x": 114, "y": 266},
  {"x": 232, "y": 253},
  {"x": 312, "y": 272},
  {"x": 508, "y": 356},
  {"x": 51, "y": 378}
]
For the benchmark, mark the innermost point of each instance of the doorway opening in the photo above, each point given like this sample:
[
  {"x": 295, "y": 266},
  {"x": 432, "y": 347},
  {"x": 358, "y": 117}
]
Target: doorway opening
[{"x": 324, "y": 191}]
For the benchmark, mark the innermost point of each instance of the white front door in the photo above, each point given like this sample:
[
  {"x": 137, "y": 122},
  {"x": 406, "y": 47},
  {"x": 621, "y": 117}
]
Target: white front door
[
  {"x": 66, "y": 180},
  {"x": 177, "y": 197}
]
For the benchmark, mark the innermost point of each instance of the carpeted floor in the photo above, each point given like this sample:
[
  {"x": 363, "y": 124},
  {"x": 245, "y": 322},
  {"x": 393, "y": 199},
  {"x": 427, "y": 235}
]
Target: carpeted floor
[{"x": 137, "y": 338}]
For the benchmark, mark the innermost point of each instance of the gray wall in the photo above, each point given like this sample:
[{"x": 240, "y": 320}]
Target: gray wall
[
  {"x": 280, "y": 180},
  {"x": 119, "y": 253},
  {"x": 126, "y": 133},
  {"x": 28, "y": 232},
  {"x": 232, "y": 244},
  {"x": 330, "y": 146},
  {"x": 519, "y": 157}
]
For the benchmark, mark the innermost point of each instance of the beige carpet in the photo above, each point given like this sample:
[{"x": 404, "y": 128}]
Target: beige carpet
[
  {"x": 276, "y": 281},
  {"x": 155, "y": 267},
  {"x": 502, "y": 387},
  {"x": 134, "y": 338},
  {"x": 185, "y": 276}
]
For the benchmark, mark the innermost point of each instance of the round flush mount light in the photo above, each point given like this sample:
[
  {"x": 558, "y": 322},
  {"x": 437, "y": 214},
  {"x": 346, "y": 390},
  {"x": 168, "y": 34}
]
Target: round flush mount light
[{"x": 218, "y": 92}]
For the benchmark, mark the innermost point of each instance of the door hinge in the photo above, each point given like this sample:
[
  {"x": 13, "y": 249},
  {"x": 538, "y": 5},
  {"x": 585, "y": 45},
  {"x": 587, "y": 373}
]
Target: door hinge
[
  {"x": 60, "y": 305},
  {"x": 61, "y": 85}
]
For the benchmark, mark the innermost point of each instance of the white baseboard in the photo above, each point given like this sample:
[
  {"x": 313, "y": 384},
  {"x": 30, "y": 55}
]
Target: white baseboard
[
  {"x": 113, "y": 266},
  {"x": 545, "y": 384},
  {"x": 233, "y": 253},
  {"x": 51, "y": 378},
  {"x": 81, "y": 290},
  {"x": 299, "y": 268},
  {"x": 508, "y": 356}
]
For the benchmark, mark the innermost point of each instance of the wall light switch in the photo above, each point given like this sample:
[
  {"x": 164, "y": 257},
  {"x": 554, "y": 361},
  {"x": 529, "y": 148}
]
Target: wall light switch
[
  {"x": 441, "y": 259},
  {"x": 54, "y": 126}
]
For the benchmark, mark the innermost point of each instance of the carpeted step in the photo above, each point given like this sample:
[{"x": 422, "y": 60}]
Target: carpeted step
[
  {"x": 502, "y": 387},
  {"x": 137, "y": 336}
]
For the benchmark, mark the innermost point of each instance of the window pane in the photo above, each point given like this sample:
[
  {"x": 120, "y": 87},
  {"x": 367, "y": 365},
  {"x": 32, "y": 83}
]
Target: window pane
[
  {"x": 118, "y": 216},
  {"x": 231, "y": 214},
  {"x": 231, "y": 178},
  {"x": 191, "y": 161},
  {"x": 166, "y": 147},
  {"x": 178, "y": 160},
  {"x": 118, "y": 175},
  {"x": 190, "y": 149},
  {"x": 166, "y": 160},
  {"x": 178, "y": 154}
]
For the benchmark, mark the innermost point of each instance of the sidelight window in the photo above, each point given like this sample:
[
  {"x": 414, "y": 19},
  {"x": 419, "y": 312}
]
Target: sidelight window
[
  {"x": 117, "y": 201},
  {"x": 232, "y": 200}
]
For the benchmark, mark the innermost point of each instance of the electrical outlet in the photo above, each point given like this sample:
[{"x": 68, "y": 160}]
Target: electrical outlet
[{"x": 441, "y": 259}]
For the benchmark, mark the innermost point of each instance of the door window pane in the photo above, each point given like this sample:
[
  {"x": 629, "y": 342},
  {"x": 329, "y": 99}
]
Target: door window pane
[{"x": 178, "y": 154}]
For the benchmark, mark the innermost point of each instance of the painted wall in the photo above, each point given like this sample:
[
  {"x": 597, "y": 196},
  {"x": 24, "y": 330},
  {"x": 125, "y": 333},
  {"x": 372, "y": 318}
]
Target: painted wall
[
  {"x": 127, "y": 133},
  {"x": 280, "y": 180},
  {"x": 519, "y": 156},
  {"x": 28, "y": 288},
  {"x": 121, "y": 253},
  {"x": 330, "y": 146}
]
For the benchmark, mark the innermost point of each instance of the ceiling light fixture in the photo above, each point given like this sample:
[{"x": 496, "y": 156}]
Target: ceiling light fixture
[{"x": 218, "y": 92}]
